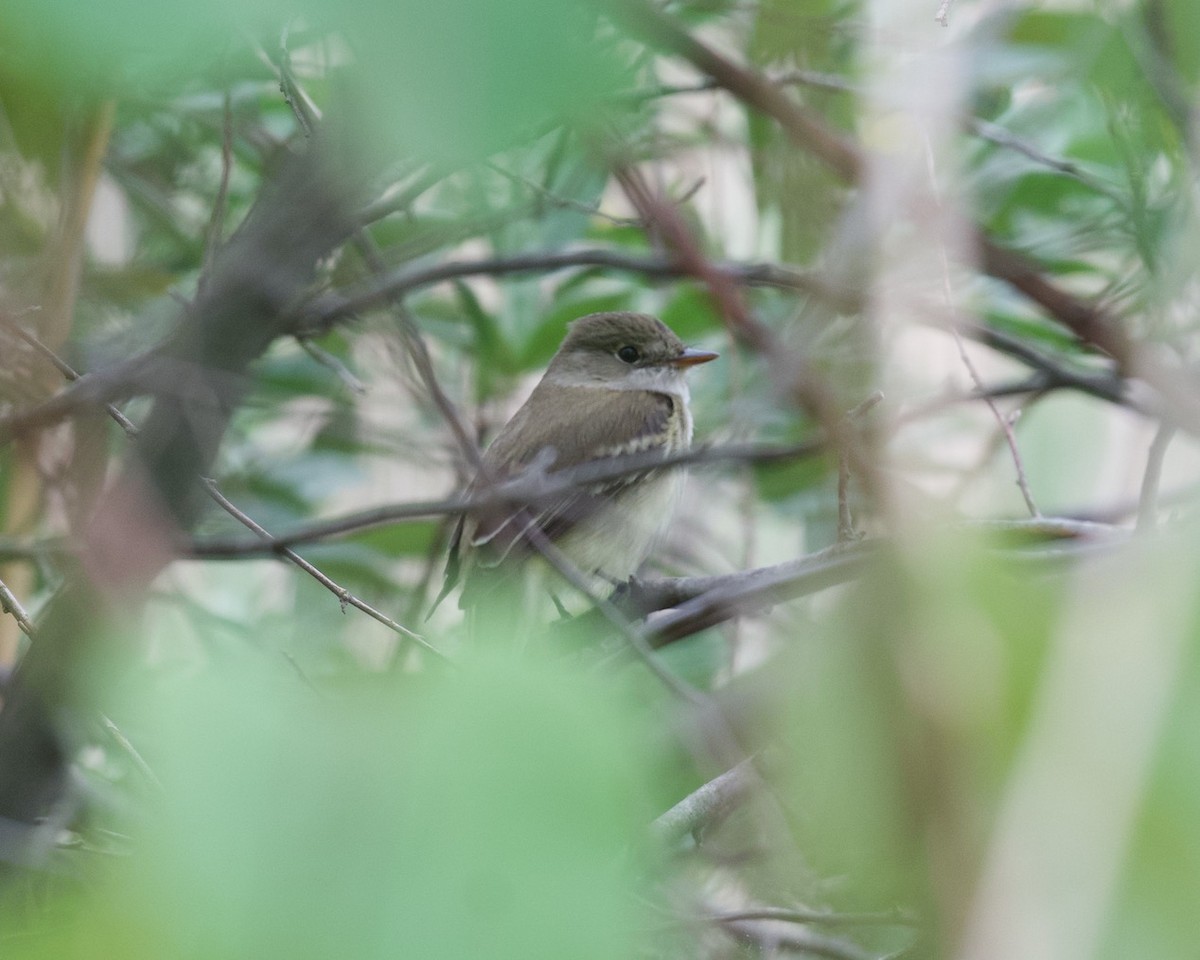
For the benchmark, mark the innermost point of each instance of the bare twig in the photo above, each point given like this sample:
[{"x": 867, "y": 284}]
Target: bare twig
[
  {"x": 1003, "y": 421},
  {"x": 1148, "y": 498},
  {"x": 70, "y": 375},
  {"x": 828, "y": 918},
  {"x": 706, "y": 806},
  {"x": 125, "y": 744},
  {"x": 417, "y": 349},
  {"x": 12, "y": 606},
  {"x": 344, "y": 596},
  {"x": 216, "y": 222},
  {"x": 1005, "y": 424},
  {"x": 564, "y": 203},
  {"x": 526, "y": 488},
  {"x": 327, "y": 359},
  {"x": 770, "y": 934},
  {"x": 393, "y": 285},
  {"x": 845, "y": 531},
  {"x": 1102, "y": 385}
]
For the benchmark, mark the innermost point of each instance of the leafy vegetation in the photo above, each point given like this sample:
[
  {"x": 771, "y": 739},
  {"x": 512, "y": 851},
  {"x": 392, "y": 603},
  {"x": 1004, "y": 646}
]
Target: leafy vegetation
[{"x": 913, "y": 673}]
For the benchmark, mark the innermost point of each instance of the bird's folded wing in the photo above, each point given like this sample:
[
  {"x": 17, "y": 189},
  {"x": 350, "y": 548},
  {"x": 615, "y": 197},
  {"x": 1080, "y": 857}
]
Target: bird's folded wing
[{"x": 634, "y": 421}]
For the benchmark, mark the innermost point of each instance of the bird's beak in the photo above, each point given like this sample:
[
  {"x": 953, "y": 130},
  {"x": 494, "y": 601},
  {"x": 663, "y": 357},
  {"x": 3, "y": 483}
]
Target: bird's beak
[{"x": 690, "y": 357}]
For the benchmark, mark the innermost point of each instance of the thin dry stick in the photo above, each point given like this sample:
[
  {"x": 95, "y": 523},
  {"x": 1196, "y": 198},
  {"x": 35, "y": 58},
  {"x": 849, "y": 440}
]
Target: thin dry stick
[
  {"x": 845, "y": 531},
  {"x": 1147, "y": 514},
  {"x": 1005, "y": 423},
  {"x": 327, "y": 359},
  {"x": 1010, "y": 437},
  {"x": 12, "y": 606},
  {"x": 345, "y": 597},
  {"x": 70, "y": 374},
  {"x": 827, "y": 918},
  {"x": 529, "y": 487},
  {"x": 125, "y": 744},
  {"x": 216, "y": 222},
  {"x": 708, "y": 804},
  {"x": 794, "y": 940},
  {"x": 306, "y": 114}
]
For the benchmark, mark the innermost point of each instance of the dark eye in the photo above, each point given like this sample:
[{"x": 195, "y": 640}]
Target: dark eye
[{"x": 629, "y": 354}]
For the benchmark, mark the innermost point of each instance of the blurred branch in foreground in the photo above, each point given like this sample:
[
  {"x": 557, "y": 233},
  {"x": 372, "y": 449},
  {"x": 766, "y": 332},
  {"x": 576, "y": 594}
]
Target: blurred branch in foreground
[{"x": 242, "y": 308}]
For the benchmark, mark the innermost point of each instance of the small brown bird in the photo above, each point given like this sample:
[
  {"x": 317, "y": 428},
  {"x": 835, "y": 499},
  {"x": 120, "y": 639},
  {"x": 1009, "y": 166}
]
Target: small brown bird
[{"x": 615, "y": 387}]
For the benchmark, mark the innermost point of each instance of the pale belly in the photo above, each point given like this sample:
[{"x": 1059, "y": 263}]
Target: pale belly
[{"x": 610, "y": 547}]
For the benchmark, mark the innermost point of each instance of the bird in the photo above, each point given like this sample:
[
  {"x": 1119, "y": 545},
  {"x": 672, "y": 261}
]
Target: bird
[{"x": 616, "y": 386}]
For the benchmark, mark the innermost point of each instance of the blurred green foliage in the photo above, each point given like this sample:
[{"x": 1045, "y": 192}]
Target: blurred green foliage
[{"x": 319, "y": 787}]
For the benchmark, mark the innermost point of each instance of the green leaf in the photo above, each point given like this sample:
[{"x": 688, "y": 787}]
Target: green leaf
[{"x": 487, "y": 813}]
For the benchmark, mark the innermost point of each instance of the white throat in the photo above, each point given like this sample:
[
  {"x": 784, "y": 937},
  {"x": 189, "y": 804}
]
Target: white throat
[{"x": 656, "y": 379}]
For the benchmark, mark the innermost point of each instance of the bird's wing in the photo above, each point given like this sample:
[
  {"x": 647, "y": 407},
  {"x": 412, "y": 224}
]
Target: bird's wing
[{"x": 634, "y": 420}]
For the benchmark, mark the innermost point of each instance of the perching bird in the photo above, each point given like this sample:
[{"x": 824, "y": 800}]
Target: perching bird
[{"x": 615, "y": 387}]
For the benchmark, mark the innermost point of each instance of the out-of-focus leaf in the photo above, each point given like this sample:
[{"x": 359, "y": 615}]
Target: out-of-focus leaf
[
  {"x": 781, "y": 481},
  {"x": 690, "y": 313},
  {"x": 1037, "y": 329},
  {"x": 466, "y": 77},
  {"x": 486, "y": 813}
]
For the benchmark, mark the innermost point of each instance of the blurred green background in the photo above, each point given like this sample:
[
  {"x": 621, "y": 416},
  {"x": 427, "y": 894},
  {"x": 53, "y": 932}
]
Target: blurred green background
[{"x": 982, "y": 743}]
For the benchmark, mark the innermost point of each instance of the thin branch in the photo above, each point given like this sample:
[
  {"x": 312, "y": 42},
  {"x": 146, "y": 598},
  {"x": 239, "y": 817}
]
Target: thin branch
[
  {"x": 760, "y": 932},
  {"x": 1104, "y": 385},
  {"x": 713, "y": 600},
  {"x": 527, "y": 488},
  {"x": 131, "y": 751},
  {"x": 994, "y": 133},
  {"x": 12, "y": 606},
  {"x": 69, "y": 374},
  {"x": 706, "y": 806},
  {"x": 951, "y": 303},
  {"x": 827, "y": 918},
  {"x": 1004, "y": 422},
  {"x": 345, "y": 597},
  {"x": 633, "y": 636},
  {"x": 393, "y": 285},
  {"x": 418, "y": 351},
  {"x": 845, "y": 530},
  {"x": 216, "y": 223},
  {"x": 563, "y": 203},
  {"x": 1036, "y": 383},
  {"x": 328, "y": 360},
  {"x": 1148, "y": 499}
]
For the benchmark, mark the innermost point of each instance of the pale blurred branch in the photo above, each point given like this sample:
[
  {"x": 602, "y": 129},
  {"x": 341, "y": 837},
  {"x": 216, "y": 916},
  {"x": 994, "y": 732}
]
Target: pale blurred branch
[
  {"x": 772, "y": 935},
  {"x": 12, "y": 606},
  {"x": 298, "y": 219},
  {"x": 1148, "y": 499},
  {"x": 708, "y": 805}
]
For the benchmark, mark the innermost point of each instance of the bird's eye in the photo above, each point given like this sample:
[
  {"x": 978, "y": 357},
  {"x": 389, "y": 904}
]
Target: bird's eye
[{"x": 629, "y": 354}]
